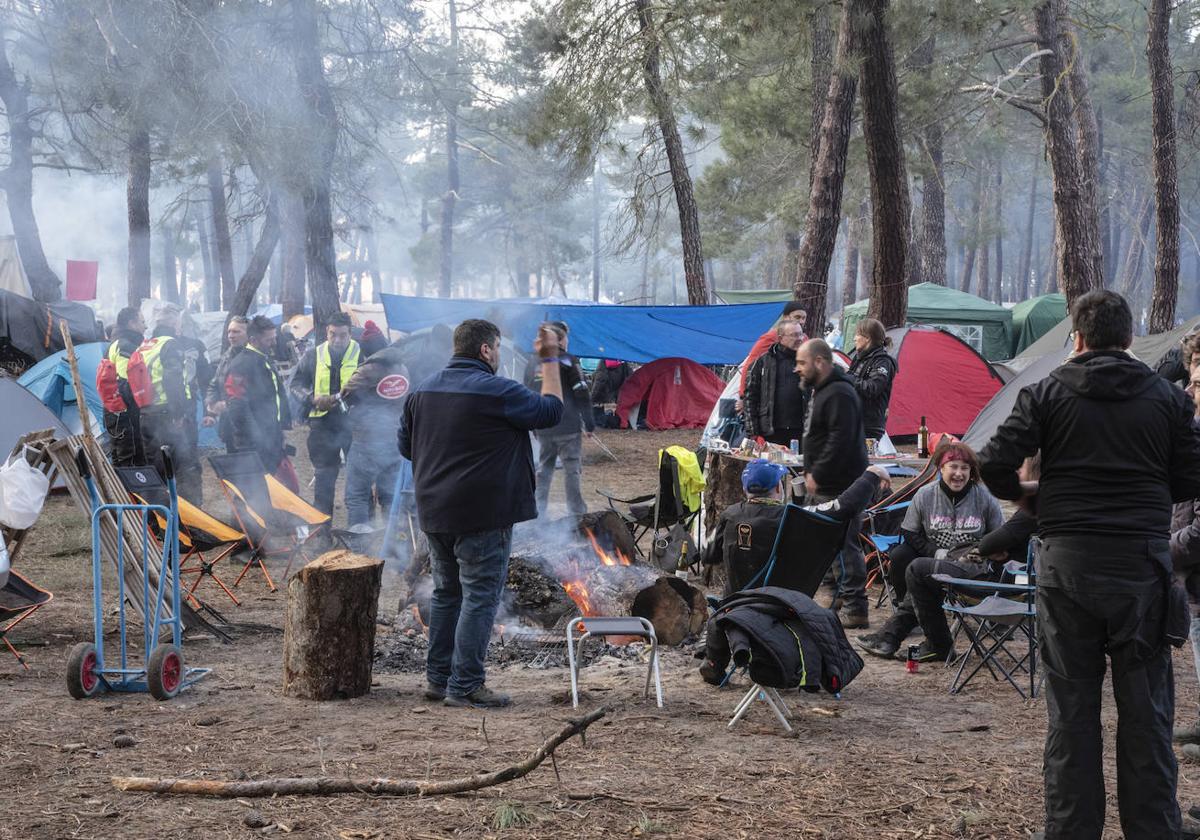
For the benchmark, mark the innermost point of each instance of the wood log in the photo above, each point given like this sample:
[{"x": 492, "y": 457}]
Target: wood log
[
  {"x": 325, "y": 786},
  {"x": 329, "y": 627},
  {"x": 533, "y": 595},
  {"x": 609, "y": 530},
  {"x": 675, "y": 608}
]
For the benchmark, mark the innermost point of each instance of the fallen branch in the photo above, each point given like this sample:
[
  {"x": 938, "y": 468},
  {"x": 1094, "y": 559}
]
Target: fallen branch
[{"x": 325, "y": 786}]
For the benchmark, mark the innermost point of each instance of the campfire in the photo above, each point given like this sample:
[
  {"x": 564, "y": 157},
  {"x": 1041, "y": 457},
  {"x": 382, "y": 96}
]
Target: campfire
[{"x": 589, "y": 566}]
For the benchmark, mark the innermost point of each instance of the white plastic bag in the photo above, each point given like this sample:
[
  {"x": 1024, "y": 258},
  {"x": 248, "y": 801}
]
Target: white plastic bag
[{"x": 23, "y": 490}]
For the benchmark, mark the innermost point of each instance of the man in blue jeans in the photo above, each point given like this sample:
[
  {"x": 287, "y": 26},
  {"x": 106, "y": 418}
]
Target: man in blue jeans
[{"x": 466, "y": 431}]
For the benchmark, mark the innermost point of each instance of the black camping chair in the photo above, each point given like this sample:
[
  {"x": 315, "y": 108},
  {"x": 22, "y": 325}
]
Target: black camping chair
[
  {"x": 664, "y": 508},
  {"x": 881, "y": 531},
  {"x": 19, "y": 599},
  {"x": 274, "y": 519},
  {"x": 806, "y": 545}
]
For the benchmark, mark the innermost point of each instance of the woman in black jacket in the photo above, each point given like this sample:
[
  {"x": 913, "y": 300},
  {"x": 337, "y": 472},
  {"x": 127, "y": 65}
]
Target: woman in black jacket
[{"x": 873, "y": 370}]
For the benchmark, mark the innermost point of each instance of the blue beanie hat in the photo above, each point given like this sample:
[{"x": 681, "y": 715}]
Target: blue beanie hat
[{"x": 761, "y": 476}]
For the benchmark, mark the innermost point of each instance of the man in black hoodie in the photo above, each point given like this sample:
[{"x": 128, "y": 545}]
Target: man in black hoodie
[
  {"x": 835, "y": 455},
  {"x": 1117, "y": 447}
]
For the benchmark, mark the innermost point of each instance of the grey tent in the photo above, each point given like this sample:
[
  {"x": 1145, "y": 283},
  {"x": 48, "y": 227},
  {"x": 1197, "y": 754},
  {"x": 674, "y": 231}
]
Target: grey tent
[{"x": 23, "y": 412}]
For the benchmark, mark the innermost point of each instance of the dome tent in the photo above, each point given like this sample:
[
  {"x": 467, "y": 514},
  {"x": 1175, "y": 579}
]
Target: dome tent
[
  {"x": 1035, "y": 317},
  {"x": 679, "y": 394},
  {"x": 941, "y": 378},
  {"x": 982, "y": 324}
]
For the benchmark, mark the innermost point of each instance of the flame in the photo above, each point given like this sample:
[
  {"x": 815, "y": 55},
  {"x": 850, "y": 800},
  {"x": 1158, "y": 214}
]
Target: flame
[
  {"x": 417, "y": 615},
  {"x": 606, "y": 558}
]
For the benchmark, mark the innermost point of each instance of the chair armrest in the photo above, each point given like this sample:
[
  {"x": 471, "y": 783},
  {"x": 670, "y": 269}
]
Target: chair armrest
[
  {"x": 982, "y": 585},
  {"x": 636, "y": 500}
]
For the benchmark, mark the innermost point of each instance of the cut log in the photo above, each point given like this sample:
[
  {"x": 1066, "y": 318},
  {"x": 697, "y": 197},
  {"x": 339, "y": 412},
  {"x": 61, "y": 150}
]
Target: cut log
[
  {"x": 329, "y": 627},
  {"x": 675, "y": 608},
  {"x": 609, "y": 530},
  {"x": 533, "y": 595}
]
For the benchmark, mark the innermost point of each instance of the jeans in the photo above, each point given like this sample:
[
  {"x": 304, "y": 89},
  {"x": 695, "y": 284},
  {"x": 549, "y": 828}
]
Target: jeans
[
  {"x": 1195, "y": 636},
  {"x": 570, "y": 450},
  {"x": 370, "y": 467},
  {"x": 850, "y": 569},
  {"x": 469, "y": 571},
  {"x": 326, "y": 442}
]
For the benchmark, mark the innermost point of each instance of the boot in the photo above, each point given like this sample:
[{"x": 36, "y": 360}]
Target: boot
[
  {"x": 1189, "y": 734},
  {"x": 879, "y": 644},
  {"x": 854, "y": 619}
]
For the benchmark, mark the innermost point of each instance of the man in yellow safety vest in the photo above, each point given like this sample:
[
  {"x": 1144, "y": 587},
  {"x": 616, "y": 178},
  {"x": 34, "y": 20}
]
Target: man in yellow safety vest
[
  {"x": 317, "y": 385},
  {"x": 124, "y": 427},
  {"x": 166, "y": 421}
]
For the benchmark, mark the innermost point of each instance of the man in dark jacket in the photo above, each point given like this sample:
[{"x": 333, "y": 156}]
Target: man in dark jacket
[
  {"x": 375, "y": 399},
  {"x": 124, "y": 428},
  {"x": 215, "y": 401},
  {"x": 774, "y": 402},
  {"x": 198, "y": 374},
  {"x": 873, "y": 370},
  {"x": 257, "y": 402},
  {"x": 564, "y": 441},
  {"x": 835, "y": 455},
  {"x": 1117, "y": 446},
  {"x": 466, "y": 431}
]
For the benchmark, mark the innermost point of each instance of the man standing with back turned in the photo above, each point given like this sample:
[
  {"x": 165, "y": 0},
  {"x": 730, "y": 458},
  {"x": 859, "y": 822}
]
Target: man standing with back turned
[
  {"x": 466, "y": 431},
  {"x": 1117, "y": 448}
]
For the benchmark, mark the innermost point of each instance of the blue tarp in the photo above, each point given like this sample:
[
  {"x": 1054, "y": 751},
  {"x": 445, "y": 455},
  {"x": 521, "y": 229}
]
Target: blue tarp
[
  {"x": 50, "y": 381},
  {"x": 705, "y": 334}
]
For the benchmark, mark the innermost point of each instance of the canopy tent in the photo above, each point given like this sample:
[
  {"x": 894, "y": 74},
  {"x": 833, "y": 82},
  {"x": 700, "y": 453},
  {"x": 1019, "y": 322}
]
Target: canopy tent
[
  {"x": 679, "y": 394},
  {"x": 1151, "y": 348},
  {"x": 703, "y": 334},
  {"x": 941, "y": 378},
  {"x": 50, "y": 381},
  {"x": 982, "y": 324},
  {"x": 1036, "y": 316},
  {"x": 755, "y": 295}
]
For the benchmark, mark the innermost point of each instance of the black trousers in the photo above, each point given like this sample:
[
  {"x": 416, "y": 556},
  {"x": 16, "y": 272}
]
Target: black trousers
[
  {"x": 125, "y": 438},
  {"x": 899, "y": 557},
  {"x": 159, "y": 429},
  {"x": 924, "y": 596},
  {"x": 327, "y": 441},
  {"x": 1118, "y": 612}
]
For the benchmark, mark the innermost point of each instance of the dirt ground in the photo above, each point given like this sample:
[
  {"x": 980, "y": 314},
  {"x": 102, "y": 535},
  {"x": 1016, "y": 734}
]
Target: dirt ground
[{"x": 896, "y": 757}]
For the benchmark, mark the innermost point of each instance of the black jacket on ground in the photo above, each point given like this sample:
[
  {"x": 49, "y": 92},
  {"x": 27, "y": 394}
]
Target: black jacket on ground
[
  {"x": 873, "y": 373},
  {"x": 466, "y": 431},
  {"x": 577, "y": 400},
  {"x": 766, "y": 383},
  {"x": 1118, "y": 447},
  {"x": 784, "y": 637},
  {"x": 835, "y": 447},
  {"x": 257, "y": 407}
]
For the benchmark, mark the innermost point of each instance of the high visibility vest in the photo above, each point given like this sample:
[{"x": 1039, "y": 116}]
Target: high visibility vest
[
  {"x": 324, "y": 373},
  {"x": 121, "y": 363},
  {"x": 274, "y": 380},
  {"x": 151, "y": 351}
]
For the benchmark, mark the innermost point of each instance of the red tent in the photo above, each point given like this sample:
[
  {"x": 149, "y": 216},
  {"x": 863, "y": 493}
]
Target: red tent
[
  {"x": 940, "y": 378},
  {"x": 679, "y": 394}
]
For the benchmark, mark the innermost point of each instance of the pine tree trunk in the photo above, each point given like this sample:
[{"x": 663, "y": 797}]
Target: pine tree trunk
[
  {"x": 1166, "y": 178},
  {"x": 1087, "y": 133},
  {"x": 256, "y": 268},
  {"x": 976, "y": 213},
  {"x": 212, "y": 282},
  {"x": 137, "y": 195},
  {"x": 890, "y": 205},
  {"x": 596, "y": 230},
  {"x": 17, "y": 182},
  {"x": 1131, "y": 277},
  {"x": 220, "y": 225},
  {"x": 450, "y": 197},
  {"x": 169, "y": 283},
  {"x": 825, "y": 198},
  {"x": 850, "y": 272},
  {"x": 681, "y": 179},
  {"x": 1026, "y": 264},
  {"x": 998, "y": 285},
  {"x": 292, "y": 258},
  {"x": 1074, "y": 220}
]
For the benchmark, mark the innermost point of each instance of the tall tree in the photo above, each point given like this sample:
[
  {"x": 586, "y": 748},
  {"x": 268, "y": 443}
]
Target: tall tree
[
  {"x": 16, "y": 180},
  {"x": 933, "y": 202},
  {"x": 998, "y": 290},
  {"x": 681, "y": 179},
  {"x": 137, "y": 196},
  {"x": 220, "y": 227},
  {"x": 256, "y": 269},
  {"x": 1026, "y": 263},
  {"x": 596, "y": 230},
  {"x": 829, "y": 175},
  {"x": 1075, "y": 221},
  {"x": 291, "y": 246},
  {"x": 1166, "y": 176},
  {"x": 450, "y": 196},
  {"x": 890, "y": 203},
  {"x": 169, "y": 284}
]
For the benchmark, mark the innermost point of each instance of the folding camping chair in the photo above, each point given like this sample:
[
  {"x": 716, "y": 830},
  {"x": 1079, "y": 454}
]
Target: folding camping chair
[
  {"x": 995, "y": 616},
  {"x": 265, "y": 511},
  {"x": 881, "y": 531},
  {"x": 19, "y": 599},
  {"x": 666, "y": 507},
  {"x": 198, "y": 531}
]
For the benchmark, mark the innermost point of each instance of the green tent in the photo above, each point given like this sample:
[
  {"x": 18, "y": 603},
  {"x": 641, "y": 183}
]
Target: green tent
[
  {"x": 980, "y": 323},
  {"x": 1035, "y": 317},
  {"x": 755, "y": 295}
]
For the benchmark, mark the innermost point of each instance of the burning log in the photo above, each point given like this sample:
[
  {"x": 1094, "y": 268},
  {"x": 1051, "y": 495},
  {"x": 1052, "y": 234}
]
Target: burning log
[
  {"x": 534, "y": 595},
  {"x": 329, "y": 627},
  {"x": 675, "y": 608}
]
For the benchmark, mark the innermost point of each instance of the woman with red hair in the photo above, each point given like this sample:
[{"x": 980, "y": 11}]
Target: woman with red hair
[{"x": 942, "y": 529}]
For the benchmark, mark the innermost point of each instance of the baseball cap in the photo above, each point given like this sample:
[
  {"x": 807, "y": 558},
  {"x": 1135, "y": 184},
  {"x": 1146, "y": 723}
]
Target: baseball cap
[{"x": 761, "y": 476}]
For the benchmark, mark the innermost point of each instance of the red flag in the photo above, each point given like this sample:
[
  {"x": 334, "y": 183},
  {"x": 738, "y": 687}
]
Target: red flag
[{"x": 81, "y": 279}]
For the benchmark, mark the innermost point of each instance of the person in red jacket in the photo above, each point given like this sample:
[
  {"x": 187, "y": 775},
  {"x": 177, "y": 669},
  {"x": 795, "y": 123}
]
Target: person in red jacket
[{"x": 792, "y": 311}]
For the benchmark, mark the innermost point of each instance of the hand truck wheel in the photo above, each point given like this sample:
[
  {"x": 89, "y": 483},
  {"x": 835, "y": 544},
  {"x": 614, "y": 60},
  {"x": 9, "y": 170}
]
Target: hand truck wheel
[
  {"x": 164, "y": 672},
  {"x": 82, "y": 679}
]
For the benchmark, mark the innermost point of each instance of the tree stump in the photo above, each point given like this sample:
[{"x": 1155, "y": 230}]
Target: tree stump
[
  {"x": 724, "y": 480},
  {"x": 329, "y": 627}
]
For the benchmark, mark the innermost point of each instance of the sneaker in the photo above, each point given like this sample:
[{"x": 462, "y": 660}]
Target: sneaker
[
  {"x": 436, "y": 693},
  {"x": 481, "y": 698},
  {"x": 1190, "y": 753},
  {"x": 879, "y": 645},
  {"x": 854, "y": 619},
  {"x": 927, "y": 653},
  {"x": 1189, "y": 734},
  {"x": 1189, "y": 827}
]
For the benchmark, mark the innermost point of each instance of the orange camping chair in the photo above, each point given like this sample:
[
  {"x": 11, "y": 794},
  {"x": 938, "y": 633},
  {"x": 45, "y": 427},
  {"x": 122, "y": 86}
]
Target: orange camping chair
[{"x": 274, "y": 519}]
